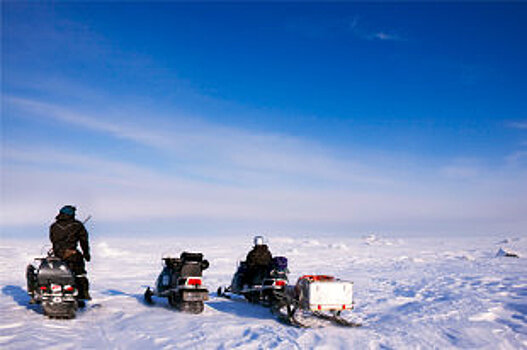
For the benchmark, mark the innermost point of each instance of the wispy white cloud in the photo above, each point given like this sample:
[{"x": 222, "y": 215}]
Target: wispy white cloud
[
  {"x": 517, "y": 125},
  {"x": 215, "y": 151},
  {"x": 385, "y": 36},
  {"x": 99, "y": 123},
  {"x": 517, "y": 158},
  {"x": 354, "y": 26},
  {"x": 462, "y": 169},
  {"x": 363, "y": 32},
  {"x": 460, "y": 172},
  {"x": 234, "y": 174},
  {"x": 116, "y": 191}
]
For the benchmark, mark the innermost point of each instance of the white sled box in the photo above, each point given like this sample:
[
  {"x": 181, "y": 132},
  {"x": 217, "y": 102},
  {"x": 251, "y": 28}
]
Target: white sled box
[{"x": 332, "y": 295}]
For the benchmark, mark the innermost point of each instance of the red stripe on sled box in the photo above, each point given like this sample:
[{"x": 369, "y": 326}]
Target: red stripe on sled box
[{"x": 331, "y": 306}]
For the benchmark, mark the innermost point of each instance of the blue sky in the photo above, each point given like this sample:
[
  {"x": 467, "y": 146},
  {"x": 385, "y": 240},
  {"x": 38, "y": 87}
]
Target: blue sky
[{"x": 296, "y": 118}]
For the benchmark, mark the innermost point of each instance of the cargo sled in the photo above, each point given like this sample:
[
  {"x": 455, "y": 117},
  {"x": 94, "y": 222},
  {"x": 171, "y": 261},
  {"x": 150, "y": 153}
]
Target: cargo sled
[{"x": 315, "y": 296}]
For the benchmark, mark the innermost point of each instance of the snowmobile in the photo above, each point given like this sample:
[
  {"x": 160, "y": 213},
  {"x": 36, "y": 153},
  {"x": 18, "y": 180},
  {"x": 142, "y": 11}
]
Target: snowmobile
[
  {"x": 52, "y": 284},
  {"x": 262, "y": 286},
  {"x": 315, "y": 297},
  {"x": 181, "y": 282}
]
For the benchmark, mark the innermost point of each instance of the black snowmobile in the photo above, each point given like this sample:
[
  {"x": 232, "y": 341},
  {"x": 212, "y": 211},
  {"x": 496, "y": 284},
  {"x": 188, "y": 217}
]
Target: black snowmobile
[
  {"x": 260, "y": 286},
  {"x": 52, "y": 284},
  {"x": 181, "y": 282}
]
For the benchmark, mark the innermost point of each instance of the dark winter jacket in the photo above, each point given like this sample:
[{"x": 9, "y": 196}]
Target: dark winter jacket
[
  {"x": 65, "y": 233},
  {"x": 259, "y": 256}
]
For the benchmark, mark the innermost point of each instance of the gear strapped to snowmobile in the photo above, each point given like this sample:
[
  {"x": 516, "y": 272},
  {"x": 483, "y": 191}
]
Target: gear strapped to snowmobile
[
  {"x": 181, "y": 282},
  {"x": 52, "y": 284},
  {"x": 262, "y": 285}
]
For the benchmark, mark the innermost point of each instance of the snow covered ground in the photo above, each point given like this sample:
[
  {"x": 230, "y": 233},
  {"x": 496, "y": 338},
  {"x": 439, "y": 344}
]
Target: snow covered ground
[{"x": 410, "y": 293}]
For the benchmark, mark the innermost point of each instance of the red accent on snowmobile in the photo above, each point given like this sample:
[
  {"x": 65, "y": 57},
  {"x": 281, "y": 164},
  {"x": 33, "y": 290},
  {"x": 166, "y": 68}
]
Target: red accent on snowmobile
[
  {"x": 194, "y": 281},
  {"x": 280, "y": 283}
]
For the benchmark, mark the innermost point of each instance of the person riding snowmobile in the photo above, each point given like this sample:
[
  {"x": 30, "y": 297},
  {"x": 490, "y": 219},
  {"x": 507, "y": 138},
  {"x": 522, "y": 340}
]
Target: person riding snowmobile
[
  {"x": 64, "y": 234},
  {"x": 258, "y": 261}
]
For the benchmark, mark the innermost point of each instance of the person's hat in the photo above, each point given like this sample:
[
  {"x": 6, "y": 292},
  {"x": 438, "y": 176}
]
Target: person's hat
[{"x": 68, "y": 210}]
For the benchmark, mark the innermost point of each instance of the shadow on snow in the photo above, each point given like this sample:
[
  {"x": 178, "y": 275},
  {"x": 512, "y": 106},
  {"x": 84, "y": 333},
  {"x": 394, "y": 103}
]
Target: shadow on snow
[
  {"x": 20, "y": 296},
  {"x": 239, "y": 308}
]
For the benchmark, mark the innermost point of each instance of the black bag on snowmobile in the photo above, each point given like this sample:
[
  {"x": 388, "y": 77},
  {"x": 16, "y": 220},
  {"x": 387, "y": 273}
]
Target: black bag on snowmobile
[{"x": 279, "y": 263}]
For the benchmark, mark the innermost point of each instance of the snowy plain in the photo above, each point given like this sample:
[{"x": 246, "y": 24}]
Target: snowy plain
[{"x": 410, "y": 293}]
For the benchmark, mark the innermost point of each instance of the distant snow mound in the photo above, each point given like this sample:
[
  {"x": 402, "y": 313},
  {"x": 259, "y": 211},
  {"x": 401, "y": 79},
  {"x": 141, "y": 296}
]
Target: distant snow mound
[
  {"x": 370, "y": 239},
  {"x": 507, "y": 253},
  {"x": 339, "y": 246},
  {"x": 293, "y": 251},
  {"x": 310, "y": 243},
  {"x": 508, "y": 240},
  {"x": 287, "y": 240},
  {"x": 104, "y": 250},
  {"x": 373, "y": 239}
]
